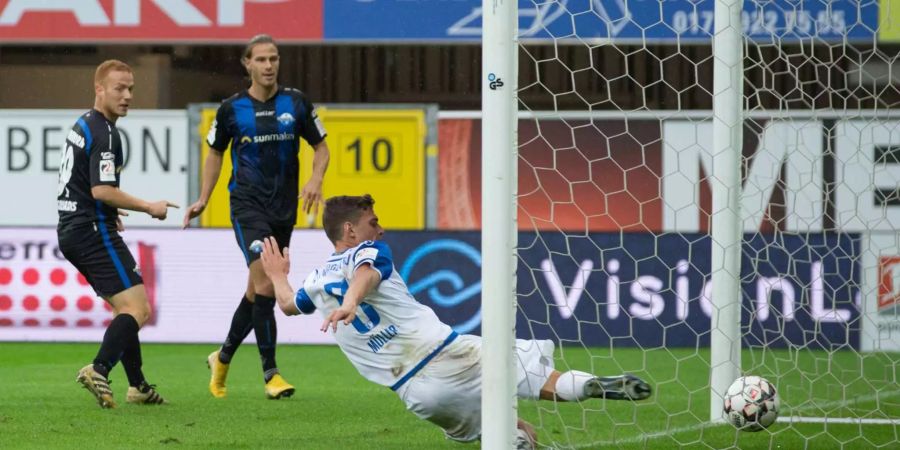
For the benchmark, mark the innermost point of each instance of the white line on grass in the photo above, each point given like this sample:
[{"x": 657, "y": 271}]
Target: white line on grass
[
  {"x": 850, "y": 420},
  {"x": 795, "y": 419}
]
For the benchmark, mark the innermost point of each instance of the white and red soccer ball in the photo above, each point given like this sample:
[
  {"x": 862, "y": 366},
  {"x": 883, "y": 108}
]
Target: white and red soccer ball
[{"x": 751, "y": 403}]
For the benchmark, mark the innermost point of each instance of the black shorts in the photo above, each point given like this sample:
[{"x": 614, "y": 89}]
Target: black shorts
[
  {"x": 249, "y": 228},
  {"x": 99, "y": 253}
]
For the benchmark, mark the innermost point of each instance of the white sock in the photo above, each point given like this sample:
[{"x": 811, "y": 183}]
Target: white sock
[{"x": 570, "y": 385}]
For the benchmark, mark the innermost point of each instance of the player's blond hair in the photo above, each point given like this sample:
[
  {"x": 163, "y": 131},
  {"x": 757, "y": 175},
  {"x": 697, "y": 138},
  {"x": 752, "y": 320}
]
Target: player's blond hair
[
  {"x": 110, "y": 65},
  {"x": 342, "y": 209}
]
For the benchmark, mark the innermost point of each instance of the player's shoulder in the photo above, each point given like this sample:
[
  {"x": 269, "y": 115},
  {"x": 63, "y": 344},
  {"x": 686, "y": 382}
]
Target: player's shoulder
[
  {"x": 370, "y": 249},
  {"x": 372, "y": 244},
  {"x": 80, "y": 134},
  {"x": 296, "y": 95},
  {"x": 293, "y": 92},
  {"x": 91, "y": 119},
  {"x": 88, "y": 127},
  {"x": 229, "y": 102}
]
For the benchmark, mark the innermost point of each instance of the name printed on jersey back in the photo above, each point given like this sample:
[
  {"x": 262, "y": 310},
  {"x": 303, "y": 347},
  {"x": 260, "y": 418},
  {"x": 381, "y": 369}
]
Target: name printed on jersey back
[
  {"x": 66, "y": 205},
  {"x": 381, "y": 338},
  {"x": 75, "y": 138}
]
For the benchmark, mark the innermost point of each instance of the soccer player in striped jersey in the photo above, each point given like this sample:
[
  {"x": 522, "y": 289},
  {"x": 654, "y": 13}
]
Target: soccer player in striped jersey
[
  {"x": 263, "y": 126},
  {"x": 88, "y": 201},
  {"x": 397, "y": 342}
]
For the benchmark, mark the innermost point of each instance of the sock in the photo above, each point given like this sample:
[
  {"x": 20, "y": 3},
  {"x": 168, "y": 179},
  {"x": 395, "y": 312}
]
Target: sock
[
  {"x": 132, "y": 362},
  {"x": 241, "y": 324},
  {"x": 570, "y": 385},
  {"x": 266, "y": 333},
  {"x": 116, "y": 338}
]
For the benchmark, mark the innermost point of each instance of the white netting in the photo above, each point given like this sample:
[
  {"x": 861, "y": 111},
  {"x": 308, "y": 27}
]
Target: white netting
[{"x": 615, "y": 139}]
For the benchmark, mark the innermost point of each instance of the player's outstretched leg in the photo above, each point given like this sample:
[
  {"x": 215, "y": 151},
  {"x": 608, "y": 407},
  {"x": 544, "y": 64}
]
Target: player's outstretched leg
[
  {"x": 218, "y": 372},
  {"x": 623, "y": 387},
  {"x": 97, "y": 385},
  {"x": 144, "y": 394},
  {"x": 575, "y": 385}
]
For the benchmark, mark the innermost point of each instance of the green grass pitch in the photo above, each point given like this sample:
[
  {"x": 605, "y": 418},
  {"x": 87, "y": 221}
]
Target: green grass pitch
[{"x": 41, "y": 405}]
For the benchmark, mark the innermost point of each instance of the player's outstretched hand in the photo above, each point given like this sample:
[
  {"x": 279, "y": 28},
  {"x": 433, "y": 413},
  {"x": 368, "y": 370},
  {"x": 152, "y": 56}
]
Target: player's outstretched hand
[
  {"x": 346, "y": 313},
  {"x": 312, "y": 196},
  {"x": 192, "y": 212},
  {"x": 159, "y": 210},
  {"x": 120, "y": 227},
  {"x": 275, "y": 262}
]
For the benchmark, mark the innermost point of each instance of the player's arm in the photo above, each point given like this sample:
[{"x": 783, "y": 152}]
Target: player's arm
[
  {"x": 118, "y": 198},
  {"x": 218, "y": 140},
  {"x": 104, "y": 184},
  {"x": 211, "y": 170},
  {"x": 314, "y": 133},
  {"x": 365, "y": 280},
  {"x": 277, "y": 264},
  {"x": 312, "y": 190},
  {"x": 373, "y": 263}
]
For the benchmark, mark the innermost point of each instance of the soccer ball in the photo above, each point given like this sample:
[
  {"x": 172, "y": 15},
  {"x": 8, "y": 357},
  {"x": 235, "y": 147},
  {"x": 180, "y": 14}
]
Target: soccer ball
[{"x": 751, "y": 403}]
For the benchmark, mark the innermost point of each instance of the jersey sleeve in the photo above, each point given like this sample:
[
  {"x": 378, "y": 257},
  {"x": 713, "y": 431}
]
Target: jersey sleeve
[
  {"x": 304, "y": 303},
  {"x": 377, "y": 254},
  {"x": 102, "y": 160},
  {"x": 218, "y": 137},
  {"x": 312, "y": 129}
]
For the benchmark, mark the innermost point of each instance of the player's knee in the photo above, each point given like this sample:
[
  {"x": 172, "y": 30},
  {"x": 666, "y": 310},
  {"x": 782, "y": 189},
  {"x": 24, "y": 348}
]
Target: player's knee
[
  {"x": 146, "y": 314},
  {"x": 140, "y": 312}
]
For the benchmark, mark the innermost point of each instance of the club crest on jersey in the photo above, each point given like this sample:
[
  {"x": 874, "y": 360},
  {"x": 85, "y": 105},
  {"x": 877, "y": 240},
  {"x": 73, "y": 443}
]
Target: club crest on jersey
[
  {"x": 286, "y": 119},
  {"x": 107, "y": 170}
]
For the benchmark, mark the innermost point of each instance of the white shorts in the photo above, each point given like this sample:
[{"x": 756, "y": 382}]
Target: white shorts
[{"x": 447, "y": 391}]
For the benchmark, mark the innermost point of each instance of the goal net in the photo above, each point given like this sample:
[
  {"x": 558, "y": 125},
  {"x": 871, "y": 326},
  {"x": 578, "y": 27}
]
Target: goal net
[{"x": 617, "y": 173}]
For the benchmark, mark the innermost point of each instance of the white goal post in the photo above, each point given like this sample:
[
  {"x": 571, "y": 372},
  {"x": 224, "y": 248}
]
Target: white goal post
[
  {"x": 498, "y": 232},
  {"x": 728, "y": 82}
]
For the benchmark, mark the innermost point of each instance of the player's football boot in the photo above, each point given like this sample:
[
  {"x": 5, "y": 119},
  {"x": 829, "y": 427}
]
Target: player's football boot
[
  {"x": 277, "y": 388},
  {"x": 623, "y": 387},
  {"x": 145, "y": 394},
  {"x": 524, "y": 441},
  {"x": 218, "y": 373},
  {"x": 97, "y": 385}
]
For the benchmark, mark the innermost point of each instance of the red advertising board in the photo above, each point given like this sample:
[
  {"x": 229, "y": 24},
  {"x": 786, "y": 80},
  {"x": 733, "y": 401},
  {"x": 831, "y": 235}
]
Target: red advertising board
[
  {"x": 634, "y": 176},
  {"x": 600, "y": 176},
  {"x": 187, "y": 21}
]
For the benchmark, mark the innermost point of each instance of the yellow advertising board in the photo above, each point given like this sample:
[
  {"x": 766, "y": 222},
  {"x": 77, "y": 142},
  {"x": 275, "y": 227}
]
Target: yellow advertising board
[
  {"x": 889, "y": 21},
  {"x": 375, "y": 151}
]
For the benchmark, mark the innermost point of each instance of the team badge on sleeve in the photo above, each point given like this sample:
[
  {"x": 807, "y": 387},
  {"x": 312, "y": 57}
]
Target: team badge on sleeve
[
  {"x": 211, "y": 136},
  {"x": 319, "y": 126},
  {"x": 107, "y": 170},
  {"x": 365, "y": 254}
]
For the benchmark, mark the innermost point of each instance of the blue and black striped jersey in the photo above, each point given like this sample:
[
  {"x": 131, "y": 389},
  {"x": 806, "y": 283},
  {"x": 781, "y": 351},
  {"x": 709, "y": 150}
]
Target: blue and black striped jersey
[
  {"x": 92, "y": 156},
  {"x": 265, "y": 142}
]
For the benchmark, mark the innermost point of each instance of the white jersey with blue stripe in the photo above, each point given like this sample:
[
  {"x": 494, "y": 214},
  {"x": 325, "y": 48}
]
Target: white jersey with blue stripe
[{"x": 393, "y": 335}]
